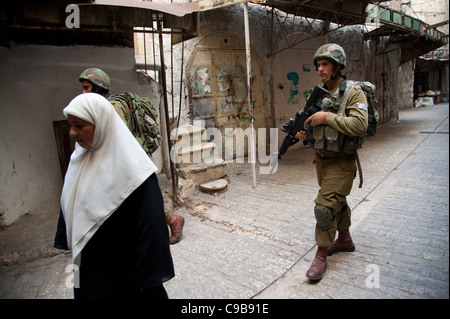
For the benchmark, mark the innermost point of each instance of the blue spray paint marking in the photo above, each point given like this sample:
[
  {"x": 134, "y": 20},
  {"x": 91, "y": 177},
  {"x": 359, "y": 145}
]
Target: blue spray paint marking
[{"x": 293, "y": 92}]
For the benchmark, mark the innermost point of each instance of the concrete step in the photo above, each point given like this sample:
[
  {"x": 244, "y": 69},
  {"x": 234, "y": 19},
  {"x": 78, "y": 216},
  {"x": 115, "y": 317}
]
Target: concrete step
[
  {"x": 215, "y": 186},
  {"x": 187, "y": 135},
  {"x": 204, "y": 172},
  {"x": 196, "y": 153},
  {"x": 197, "y": 162},
  {"x": 204, "y": 147}
]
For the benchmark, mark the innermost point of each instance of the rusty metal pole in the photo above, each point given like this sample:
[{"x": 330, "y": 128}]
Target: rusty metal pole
[
  {"x": 249, "y": 90},
  {"x": 166, "y": 110}
]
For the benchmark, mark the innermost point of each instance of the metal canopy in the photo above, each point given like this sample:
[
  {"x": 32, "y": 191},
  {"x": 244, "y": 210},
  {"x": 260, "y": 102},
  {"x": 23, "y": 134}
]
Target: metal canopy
[
  {"x": 414, "y": 36},
  {"x": 337, "y": 11},
  {"x": 102, "y": 22},
  {"x": 180, "y": 18},
  {"x": 176, "y": 9}
]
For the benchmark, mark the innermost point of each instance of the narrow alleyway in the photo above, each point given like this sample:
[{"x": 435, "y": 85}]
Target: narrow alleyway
[
  {"x": 238, "y": 243},
  {"x": 258, "y": 242}
]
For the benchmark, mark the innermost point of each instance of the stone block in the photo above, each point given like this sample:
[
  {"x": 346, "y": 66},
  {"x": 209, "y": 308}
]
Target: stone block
[
  {"x": 204, "y": 172},
  {"x": 186, "y": 188},
  {"x": 216, "y": 186}
]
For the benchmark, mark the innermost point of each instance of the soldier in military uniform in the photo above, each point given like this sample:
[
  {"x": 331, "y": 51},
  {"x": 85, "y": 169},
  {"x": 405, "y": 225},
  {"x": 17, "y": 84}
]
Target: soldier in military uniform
[
  {"x": 97, "y": 81},
  {"x": 334, "y": 131}
]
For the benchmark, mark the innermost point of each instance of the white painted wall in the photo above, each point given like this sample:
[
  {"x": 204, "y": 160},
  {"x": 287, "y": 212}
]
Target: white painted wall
[
  {"x": 36, "y": 83},
  {"x": 289, "y": 96}
]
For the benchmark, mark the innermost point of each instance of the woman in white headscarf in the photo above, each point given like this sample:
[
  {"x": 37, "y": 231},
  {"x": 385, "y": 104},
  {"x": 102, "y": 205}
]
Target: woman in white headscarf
[{"x": 112, "y": 208}]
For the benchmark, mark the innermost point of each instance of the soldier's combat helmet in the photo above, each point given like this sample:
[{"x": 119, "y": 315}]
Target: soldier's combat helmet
[
  {"x": 331, "y": 51},
  {"x": 97, "y": 77}
]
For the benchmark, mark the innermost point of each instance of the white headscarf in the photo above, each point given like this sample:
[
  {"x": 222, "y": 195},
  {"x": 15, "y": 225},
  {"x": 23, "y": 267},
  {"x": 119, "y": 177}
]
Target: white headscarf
[{"x": 98, "y": 180}]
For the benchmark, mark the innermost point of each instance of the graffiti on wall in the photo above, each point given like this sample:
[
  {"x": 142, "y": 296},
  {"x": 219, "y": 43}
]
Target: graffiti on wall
[
  {"x": 201, "y": 85},
  {"x": 225, "y": 85},
  {"x": 293, "y": 91},
  {"x": 218, "y": 86}
]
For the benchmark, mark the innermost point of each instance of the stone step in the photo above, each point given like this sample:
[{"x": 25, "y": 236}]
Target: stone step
[
  {"x": 187, "y": 135},
  {"x": 195, "y": 148},
  {"x": 203, "y": 152},
  {"x": 204, "y": 172},
  {"x": 215, "y": 186}
]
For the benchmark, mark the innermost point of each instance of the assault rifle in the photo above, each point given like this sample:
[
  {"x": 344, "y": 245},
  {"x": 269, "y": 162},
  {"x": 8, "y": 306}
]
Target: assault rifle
[{"x": 297, "y": 124}]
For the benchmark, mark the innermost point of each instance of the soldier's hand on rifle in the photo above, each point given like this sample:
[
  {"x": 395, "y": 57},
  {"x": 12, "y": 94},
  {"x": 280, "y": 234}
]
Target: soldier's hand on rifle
[
  {"x": 317, "y": 118},
  {"x": 301, "y": 135}
]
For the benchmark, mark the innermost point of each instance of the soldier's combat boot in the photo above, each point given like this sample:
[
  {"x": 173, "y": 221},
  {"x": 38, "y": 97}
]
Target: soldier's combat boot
[
  {"x": 319, "y": 264},
  {"x": 344, "y": 242},
  {"x": 176, "y": 224}
]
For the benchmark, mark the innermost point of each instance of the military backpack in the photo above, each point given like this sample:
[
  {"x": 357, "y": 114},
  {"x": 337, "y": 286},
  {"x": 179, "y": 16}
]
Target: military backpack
[
  {"x": 369, "y": 90},
  {"x": 140, "y": 116},
  {"x": 349, "y": 144}
]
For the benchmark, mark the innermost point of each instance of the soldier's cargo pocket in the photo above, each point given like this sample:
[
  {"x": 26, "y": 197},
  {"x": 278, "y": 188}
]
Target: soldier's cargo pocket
[
  {"x": 348, "y": 164},
  {"x": 348, "y": 167}
]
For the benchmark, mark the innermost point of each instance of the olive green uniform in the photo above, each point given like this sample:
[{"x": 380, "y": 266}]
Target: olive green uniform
[{"x": 336, "y": 170}]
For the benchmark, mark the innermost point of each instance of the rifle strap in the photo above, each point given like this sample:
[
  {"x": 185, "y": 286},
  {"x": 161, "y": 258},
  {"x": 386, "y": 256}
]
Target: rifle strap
[
  {"x": 358, "y": 164},
  {"x": 347, "y": 91}
]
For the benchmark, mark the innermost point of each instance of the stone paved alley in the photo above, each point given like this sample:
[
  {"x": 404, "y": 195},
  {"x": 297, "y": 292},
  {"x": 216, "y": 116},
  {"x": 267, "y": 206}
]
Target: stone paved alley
[{"x": 258, "y": 242}]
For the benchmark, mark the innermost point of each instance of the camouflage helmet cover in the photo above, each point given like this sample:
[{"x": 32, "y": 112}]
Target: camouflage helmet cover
[
  {"x": 97, "y": 77},
  {"x": 331, "y": 51}
]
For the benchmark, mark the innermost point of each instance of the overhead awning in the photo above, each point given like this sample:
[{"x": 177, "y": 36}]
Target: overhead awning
[
  {"x": 180, "y": 18},
  {"x": 176, "y": 9},
  {"x": 99, "y": 22}
]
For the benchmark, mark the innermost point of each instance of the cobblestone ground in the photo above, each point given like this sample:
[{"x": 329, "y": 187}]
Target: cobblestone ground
[{"x": 258, "y": 242}]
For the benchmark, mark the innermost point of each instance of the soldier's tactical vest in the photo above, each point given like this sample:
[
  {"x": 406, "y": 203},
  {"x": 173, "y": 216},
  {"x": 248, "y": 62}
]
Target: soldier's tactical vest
[{"x": 326, "y": 137}]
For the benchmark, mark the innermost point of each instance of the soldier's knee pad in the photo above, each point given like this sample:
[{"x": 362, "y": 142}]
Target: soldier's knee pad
[{"x": 324, "y": 217}]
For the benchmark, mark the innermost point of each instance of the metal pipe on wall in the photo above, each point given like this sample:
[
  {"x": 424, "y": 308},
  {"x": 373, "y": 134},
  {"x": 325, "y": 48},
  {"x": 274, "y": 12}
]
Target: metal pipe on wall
[
  {"x": 249, "y": 90},
  {"x": 166, "y": 112}
]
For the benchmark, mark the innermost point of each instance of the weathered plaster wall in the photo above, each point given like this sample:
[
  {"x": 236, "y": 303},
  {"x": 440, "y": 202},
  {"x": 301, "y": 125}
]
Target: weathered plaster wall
[
  {"x": 283, "y": 62},
  {"x": 36, "y": 83},
  {"x": 363, "y": 62}
]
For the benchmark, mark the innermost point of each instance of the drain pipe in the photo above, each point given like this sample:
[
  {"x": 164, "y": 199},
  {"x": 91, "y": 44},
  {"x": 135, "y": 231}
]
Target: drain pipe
[{"x": 249, "y": 91}]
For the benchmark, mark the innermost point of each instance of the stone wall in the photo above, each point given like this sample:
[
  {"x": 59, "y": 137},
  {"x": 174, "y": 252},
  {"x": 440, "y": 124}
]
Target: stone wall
[{"x": 269, "y": 34}]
